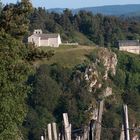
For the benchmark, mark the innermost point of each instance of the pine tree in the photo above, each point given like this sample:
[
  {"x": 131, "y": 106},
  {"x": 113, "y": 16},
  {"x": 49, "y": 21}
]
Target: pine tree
[{"x": 14, "y": 18}]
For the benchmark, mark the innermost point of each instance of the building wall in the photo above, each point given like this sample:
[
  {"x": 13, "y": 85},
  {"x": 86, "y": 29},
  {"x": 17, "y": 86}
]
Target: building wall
[
  {"x": 44, "y": 43},
  {"x": 34, "y": 39},
  {"x": 59, "y": 40},
  {"x": 52, "y": 42},
  {"x": 131, "y": 49}
]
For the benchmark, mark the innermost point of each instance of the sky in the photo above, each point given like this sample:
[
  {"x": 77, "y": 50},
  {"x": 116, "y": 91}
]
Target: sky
[{"x": 76, "y": 3}]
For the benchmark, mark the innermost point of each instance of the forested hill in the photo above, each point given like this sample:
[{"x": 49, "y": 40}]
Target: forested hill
[
  {"x": 86, "y": 28},
  {"x": 116, "y": 10},
  {"x": 38, "y": 84}
]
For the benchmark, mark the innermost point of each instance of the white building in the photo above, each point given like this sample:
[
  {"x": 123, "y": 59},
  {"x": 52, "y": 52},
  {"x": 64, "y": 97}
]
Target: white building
[
  {"x": 132, "y": 46},
  {"x": 40, "y": 39}
]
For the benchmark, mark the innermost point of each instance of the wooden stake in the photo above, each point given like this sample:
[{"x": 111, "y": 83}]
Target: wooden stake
[
  {"x": 99, "y": 121},
  {"x": 42, "y": 138},
  {"x": 54, "y": 131},
  {"x": 127, "y": 134},
  {"x": 92, "y": 130},
  {"x": 45, "y": 135},
  {"x": 67, "y": 127},
  {"x": 85, "y": 137},
  {"x": 49, "y": 132},
  {"x": 122, "y": 133}
]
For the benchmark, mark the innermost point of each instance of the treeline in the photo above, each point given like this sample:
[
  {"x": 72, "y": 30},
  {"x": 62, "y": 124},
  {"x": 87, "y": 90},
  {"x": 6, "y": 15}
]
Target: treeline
[{"x": 98, "y": 29}]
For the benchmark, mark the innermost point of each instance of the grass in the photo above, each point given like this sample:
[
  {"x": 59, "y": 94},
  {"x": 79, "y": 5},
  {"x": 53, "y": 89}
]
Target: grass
[
  {"x": 68, "y": 56},
  {"x": 80, "y": 38}
]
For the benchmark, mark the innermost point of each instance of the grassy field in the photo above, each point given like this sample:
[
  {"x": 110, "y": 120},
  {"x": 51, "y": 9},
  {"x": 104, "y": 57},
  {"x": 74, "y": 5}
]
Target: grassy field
[{"x": 68, "y": 56}]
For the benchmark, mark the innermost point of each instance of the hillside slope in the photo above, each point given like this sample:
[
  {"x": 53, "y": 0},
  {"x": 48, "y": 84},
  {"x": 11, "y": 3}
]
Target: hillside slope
[
  {"x": 68, "y": 56},
  {"x": 74, "y": 80}
]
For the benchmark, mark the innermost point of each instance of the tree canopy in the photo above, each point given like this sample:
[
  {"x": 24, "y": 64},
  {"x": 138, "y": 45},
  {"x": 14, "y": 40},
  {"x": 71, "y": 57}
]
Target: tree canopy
[
  {"x": 14, "y": 69},
  {"x": 14, "y": 18}
]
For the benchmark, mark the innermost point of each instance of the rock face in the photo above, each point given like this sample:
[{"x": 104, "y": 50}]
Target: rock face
[
  {"x": 97, "y": 76},
  {"x": 109, "y": 60},
  {"x": 93, "y": 76},
  {"x": 107, "y": 92}
]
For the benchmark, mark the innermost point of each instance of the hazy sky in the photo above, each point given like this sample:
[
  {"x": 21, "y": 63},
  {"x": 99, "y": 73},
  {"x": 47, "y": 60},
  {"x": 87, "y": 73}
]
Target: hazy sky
[{"x": 76, "y": 3}]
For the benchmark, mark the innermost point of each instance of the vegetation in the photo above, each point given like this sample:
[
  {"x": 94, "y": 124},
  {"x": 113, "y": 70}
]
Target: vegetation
[
  {"x": 31, "y": 97},
  {"x": 0, "y": 6},
  {"x": 14, "y": 18},
  {"x": 67, "y": 56},
  {"x": 70, "y": 95},
  {"x": 85, "y": 27},
  {"x": 126, "y": 85},
  {"x": 14, "y": 71}
]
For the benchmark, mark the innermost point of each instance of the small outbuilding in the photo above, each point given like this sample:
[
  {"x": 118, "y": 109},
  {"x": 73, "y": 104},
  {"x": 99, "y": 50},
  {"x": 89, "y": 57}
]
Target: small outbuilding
[
  {"x": 41, "y": 39},
  {"x": 132, "y": 46}
]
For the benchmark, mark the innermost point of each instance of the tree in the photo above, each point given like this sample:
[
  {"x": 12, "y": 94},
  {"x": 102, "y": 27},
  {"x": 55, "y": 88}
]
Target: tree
[
  {"x": 42, "y": 102},
  {"x": 66, "y": 20},
  {"x": 0, "y": 6},
  {"x": 13, "y": 88},
  {"x": 14, "y": 18},
  {"x": 14, "y": 69}
]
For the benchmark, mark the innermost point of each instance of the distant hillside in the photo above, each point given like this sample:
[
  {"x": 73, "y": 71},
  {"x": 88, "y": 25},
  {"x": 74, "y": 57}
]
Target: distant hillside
[{"x": 116, "y": 10}]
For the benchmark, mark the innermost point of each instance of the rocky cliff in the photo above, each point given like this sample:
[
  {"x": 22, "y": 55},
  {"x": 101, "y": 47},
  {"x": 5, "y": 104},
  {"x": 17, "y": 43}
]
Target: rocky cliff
[{"x": 106, "y": 61}]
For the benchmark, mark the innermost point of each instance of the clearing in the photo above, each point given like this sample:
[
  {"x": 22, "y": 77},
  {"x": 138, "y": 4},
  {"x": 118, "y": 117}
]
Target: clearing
[{"x": 68, "y": 56}]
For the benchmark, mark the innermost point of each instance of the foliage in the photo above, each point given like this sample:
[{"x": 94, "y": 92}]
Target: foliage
[
  {"x": 55, "y": 91},
  {"x": 58, "y": 87},
  {"x": 13, "y": 74},
  {"x": 14, "y": 69},
  {"x": 42, "y": 102},
  {"x": 68, "y": 56},
  {"x": 14, "y": 18},
  {"x": 34, "y": 54},
  {"x": 0, "y": 6},
  {"x": 127, "y": 82},
  {"x": 125, "y": 85},
  {"x": 98, "y": 29}
]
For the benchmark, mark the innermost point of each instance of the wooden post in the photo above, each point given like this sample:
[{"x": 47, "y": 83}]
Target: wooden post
[
  {"x": 67, "y": 127},
  {"x": 42, "y": 138},
  {"x": 99, "y": 121},
  {"x": 49, "y": 132},
  {"x": 127, "y": 134},
  {"x": 78, "y": 138},
  {"x": 45, "y": 135},
  {"x": 122, "y": 133},
  {"x": 92, "y": 130},
  {"x": 63, "y": 137},
  {"x": 54, "y": 131},
  {"x": 70, "y": 131},
  {"x": 85, "y": 137},
  {"x": 82, "y": 137},
  {"x": 59, "y": 136}
]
